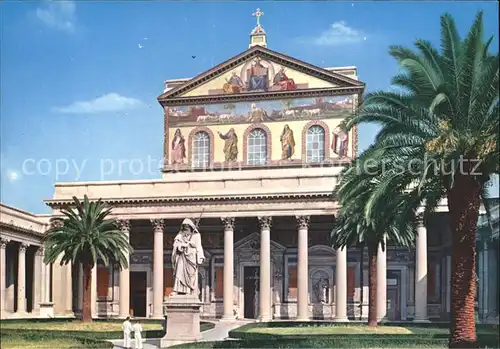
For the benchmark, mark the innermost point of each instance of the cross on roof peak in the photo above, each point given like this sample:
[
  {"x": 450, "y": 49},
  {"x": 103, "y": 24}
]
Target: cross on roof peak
[{"x": 258, "y": 14}]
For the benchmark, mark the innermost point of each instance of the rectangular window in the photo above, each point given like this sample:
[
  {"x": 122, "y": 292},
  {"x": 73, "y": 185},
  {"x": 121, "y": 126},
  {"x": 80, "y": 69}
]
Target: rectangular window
[
  {"x": 431, "y": 281},
  {"x": 102, "y": 282},
  {"x": 351, "y": 282},
  {"x": 168, "y": 282},
  {"x": 219, "y": 282},
  {"x": 292, "y": 281}
]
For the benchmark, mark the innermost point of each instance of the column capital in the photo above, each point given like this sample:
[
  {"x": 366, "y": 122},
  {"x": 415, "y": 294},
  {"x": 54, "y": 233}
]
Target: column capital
[
  {"x": 158, "y": 225},
  {"x": 56, "y": 223},
  {"x": 228, "y": 223},
  {"x": 23, "y": 246},
  {"x": 4, "y": 242},
  {"x": 302, "y": 222},
  {"x": 40, "y": 251},
  {"x": 420, "y": 220},
  {"x": 123, "y": 224},
  {"x": 265, "y": 222}
]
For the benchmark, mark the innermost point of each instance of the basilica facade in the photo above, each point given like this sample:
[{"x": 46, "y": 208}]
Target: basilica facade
[{"x": 253, "y": 150}]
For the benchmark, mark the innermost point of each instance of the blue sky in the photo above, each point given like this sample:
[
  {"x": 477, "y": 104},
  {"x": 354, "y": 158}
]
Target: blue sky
[{"x": 80, "y": 79}]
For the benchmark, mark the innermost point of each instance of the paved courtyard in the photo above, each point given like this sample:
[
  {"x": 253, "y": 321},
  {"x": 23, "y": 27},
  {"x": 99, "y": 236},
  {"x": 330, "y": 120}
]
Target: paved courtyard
[{"x": 218, "y": 333}]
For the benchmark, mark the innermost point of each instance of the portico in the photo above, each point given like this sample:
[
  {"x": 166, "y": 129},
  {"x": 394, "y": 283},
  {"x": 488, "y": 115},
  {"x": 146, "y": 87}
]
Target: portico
[
  {"x": 25, "y": 281},
  {"x": 266, "y": 258}
]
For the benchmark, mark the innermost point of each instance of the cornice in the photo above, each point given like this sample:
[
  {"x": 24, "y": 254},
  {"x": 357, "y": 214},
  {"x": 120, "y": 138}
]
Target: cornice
[
  {"x": 261, "y": 96},
  {"x": 192, "y": 199},
  {"x": 18, "y": 229}
]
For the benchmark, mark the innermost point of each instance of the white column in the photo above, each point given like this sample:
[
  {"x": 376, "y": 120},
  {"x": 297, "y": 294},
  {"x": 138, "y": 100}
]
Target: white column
[
  {"x": 124, "y": 278},
  {"x": 93, "y": 292},
  {"x": 3, "y": 274},
  {"x": 341, "y": 286},
  {"x": 11, "y": 285},
  {"x": 43, "y": 278},
  {"x": 21, "y": 279},
  {"x": 381, "y": 283},
  {"x": 158, "y": 226},
  {"x": 302, "y": 269},
  {"x": 421, "y": 272},
  {"x": 37, "y": 279},
  {"x": 68, "y": 278},
  {"x": 265, "y": 269},
  {"x": 48, "y": 282},
  {"x": 228, "y": 223}
]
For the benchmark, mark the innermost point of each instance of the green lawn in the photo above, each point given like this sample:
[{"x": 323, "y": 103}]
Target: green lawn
[
  {"x": 61, "y": 343},
  {"x": 356, "y": 329},
  {"x": 64, "y": 334},
  {"x": 330, "y": 335},
  {"x": 75, "y": 325}
]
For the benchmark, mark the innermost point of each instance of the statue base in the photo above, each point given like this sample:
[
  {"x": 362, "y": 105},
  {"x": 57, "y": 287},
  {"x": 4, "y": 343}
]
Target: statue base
[{"x": 183, "y": 320}]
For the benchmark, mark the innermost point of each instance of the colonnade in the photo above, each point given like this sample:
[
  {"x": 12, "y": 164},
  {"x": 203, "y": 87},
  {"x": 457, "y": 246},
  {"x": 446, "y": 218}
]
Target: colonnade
[
  {"x": 265, "y": 312},
  {"x": 41, "y": 279}
]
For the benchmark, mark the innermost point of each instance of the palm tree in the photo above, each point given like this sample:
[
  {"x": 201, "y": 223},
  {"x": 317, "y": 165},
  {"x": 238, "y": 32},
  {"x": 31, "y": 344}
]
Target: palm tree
[
  {"x": 84, "y": 236},
  {"x": 355, "y": 228},
  {"x": 439, "y": 140}
]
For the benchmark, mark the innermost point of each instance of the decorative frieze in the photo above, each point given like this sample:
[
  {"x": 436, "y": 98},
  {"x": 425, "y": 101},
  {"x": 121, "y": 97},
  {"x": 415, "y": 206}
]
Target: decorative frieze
[
  {"x": 228, "y": 223},
  {"x": 265, "y": 222},
  {"x": 303, "y": 222},
  {"x": 158, "y": 225}
]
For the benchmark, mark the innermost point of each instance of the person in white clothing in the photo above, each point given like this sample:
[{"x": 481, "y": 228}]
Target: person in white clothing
[
  {"x": 127, "y": 329},
  {"x": 137, "y": 328}
]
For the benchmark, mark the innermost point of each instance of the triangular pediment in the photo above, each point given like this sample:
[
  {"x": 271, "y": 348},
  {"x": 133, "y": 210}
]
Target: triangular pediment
[
  {"x": 252, "y": 242},
  {"x": 259, "y": 69}
]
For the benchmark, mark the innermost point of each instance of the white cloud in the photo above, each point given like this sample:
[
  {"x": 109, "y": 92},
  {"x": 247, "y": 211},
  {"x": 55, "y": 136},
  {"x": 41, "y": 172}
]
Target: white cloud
[
  {"x": 60, "y": 15},
  {"x": 111, "y": 102},
  {"x": 339, "y": 33}
]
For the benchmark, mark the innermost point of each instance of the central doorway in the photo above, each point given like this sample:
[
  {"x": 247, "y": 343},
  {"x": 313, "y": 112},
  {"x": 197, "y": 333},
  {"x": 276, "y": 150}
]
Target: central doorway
[
  {"x": 393, "y": 295},
  {"x": 138, "y": 298},
  {"x": 251, "y": 287}
]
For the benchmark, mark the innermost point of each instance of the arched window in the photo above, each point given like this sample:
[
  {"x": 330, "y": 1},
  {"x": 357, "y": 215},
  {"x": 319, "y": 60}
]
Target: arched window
[
  {"x": 257, "y": 147},
  {"x": 201, "y": 150},
  {"x": 315, "y": 144}
]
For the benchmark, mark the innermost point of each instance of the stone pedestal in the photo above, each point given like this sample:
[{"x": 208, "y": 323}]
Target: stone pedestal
[
  {"x": 183, "y": 320},
  {"x": 47, "y": 309}
]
